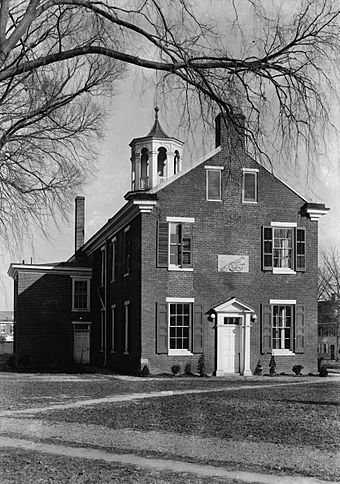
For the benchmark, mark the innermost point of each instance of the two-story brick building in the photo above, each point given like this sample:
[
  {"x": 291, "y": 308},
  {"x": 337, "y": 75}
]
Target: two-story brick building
[{"x": 217, "y": 259}]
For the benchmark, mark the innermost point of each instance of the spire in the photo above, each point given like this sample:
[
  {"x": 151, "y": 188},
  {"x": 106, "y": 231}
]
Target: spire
[{"x": 156, "y": 130}]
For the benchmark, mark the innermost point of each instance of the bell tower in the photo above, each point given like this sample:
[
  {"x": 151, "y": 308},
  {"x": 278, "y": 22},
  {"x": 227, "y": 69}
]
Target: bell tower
[{"x": 154, "y": 158}]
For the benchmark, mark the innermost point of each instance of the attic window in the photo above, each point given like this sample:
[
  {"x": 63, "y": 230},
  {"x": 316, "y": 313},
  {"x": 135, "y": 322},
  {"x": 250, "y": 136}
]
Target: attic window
[
  {"x": 213, "y": 183},
  {"x": 249, "y": 185}
]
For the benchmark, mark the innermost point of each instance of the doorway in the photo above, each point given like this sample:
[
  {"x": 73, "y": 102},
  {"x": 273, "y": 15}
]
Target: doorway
[{"x": 81, "y": 343}]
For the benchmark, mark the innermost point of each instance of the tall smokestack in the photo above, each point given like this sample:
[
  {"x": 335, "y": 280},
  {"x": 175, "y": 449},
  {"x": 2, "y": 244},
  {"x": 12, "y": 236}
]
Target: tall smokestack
[{"x": 79, "y": 234}]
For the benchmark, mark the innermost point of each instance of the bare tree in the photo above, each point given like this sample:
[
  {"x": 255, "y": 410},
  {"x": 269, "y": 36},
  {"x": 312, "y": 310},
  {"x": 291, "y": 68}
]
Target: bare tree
[
  {"x": 329, "y": 275},
  {"x": 278, "y": 73}
]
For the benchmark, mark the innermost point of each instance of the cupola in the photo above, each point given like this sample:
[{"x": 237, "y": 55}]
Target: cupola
[{"x": 154, "y": 158}]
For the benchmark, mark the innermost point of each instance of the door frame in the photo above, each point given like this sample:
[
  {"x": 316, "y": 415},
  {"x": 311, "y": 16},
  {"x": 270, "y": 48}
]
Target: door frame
[
  {"x": 88, "y": 331},
  {"x": 234, "y": 308}
]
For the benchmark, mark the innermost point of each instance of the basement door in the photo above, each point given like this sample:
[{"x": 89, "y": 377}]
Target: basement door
[
  {"x": 81, "y": 343},
  {"x": 229, "y": 339}
]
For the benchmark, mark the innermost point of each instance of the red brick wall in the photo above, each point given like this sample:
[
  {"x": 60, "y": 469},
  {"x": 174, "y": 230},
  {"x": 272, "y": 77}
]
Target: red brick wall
[
  {"x": 227, "y": 227},
  {"x": 43, "y": 332}
]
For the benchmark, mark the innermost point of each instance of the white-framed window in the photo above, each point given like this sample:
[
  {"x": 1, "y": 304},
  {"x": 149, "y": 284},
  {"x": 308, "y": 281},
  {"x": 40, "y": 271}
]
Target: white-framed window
[
  {"x": 324, "y": 348},
  {"x": 180, "y": 313},
  {"x": 80, "y": 294},
  {"x": 126, "y": 326},
  {"x": 213, "y": 183},
  {"x": 174, "y": 247},
  {"x": 283, "y": 248},
  {"x": 102, "y": 328},
  {"x": 114, "y": 259},
  {"x": 282, "y": 327},
  {"x": 102, "y": 266},
  {"x": 127, "y": 251},
  {"x": 2, "y": 328},
  {"x": 113, "y": 328},
  {"x": 249, "y": 185}
]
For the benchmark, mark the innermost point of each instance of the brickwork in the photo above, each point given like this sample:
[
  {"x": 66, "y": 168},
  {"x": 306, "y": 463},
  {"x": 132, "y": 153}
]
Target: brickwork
[
  {"x": 43, "y": 333},
  {"x": 226, "y": 227}
]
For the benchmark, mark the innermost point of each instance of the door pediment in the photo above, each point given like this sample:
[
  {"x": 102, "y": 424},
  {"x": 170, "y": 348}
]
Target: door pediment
[{"x": 233, "y": 305}]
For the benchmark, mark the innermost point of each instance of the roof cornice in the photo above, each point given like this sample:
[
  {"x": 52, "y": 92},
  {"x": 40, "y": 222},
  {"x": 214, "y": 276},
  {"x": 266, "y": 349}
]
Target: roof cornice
[{"x": 14, "y": 269}]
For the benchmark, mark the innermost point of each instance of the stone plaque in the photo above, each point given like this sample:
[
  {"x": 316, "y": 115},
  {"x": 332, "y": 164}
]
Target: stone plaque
[{"x": 233, "y": 263}]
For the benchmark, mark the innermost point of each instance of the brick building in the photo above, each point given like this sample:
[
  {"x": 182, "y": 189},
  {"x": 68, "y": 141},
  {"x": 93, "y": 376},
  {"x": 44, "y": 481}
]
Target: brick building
[{"x": 217, "y": 259}]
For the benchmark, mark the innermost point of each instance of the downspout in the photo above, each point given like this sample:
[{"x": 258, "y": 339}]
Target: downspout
[{"x": 105, "y": 303}]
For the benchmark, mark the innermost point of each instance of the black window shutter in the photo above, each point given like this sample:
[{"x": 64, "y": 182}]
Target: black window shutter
[
  {"x": 300, "y": 328},
  {"x": 266, "y": 328},
  {"x": 267, "y": 248},
  {"x": 186, "y": 245},
  {"x": 197, "y": 332},
  {"x": 300, "y": 249},
  {"x": 162, "y": 244},
  {"x": 162, "y": 328}
]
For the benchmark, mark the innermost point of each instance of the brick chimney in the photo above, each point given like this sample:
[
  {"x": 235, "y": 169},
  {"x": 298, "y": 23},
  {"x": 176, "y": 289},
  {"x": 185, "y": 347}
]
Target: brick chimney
[
  {"x": 230, "y": 130},
  {"x": 79, "y": 234}
]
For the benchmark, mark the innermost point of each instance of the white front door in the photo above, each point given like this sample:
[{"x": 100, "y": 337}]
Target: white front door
[
  {"x": 81, "y": 343},
  {"x": 228, "y": 343}
]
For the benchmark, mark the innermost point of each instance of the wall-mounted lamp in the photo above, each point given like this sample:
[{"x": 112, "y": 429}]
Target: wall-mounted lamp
[
  {"x": 253, "y": 318},
  {"x": 212, "y": 315}
]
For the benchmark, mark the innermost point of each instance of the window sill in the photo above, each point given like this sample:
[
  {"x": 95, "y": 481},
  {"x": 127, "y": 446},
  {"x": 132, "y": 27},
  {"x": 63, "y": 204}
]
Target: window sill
[
  {"x": 126, "y": 353},
  {"x": 127, "y": 274},
  {"x": 282, "y": 353},
  {"x": 80, "y": 310},
  {"x": 180, "y": 269},
  {"x": 112, "y": 352},
  {"x": 213, "y": 200},
  {"x": 281, "y": 270},
  {"x": 249, "y": 202},
  {"x": 179, "y": 353}
]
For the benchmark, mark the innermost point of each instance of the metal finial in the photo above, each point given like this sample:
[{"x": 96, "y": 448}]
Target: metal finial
[{"x": 156, "y": 113}]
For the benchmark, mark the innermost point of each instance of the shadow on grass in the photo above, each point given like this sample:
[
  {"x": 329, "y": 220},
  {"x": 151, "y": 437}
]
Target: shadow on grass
[{"x": 312, "y": 402}]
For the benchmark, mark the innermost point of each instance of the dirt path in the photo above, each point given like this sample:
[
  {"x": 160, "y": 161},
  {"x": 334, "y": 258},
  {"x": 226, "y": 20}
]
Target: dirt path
[{"x": 156, "y": 464}]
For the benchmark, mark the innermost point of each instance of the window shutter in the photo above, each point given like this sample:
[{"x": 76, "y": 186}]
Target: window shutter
[
  {"x": 267, "y": 248},
  {"x": 266, "y": 328},
  {"x": 299, "y": 328},
  {"x": 162, "y": 244},
  {"x": 162, "y": 328},
  {"x": 197, "y": 333},
  {"x": 186, "y": 245},
  {"x": 300, "y": 249}
]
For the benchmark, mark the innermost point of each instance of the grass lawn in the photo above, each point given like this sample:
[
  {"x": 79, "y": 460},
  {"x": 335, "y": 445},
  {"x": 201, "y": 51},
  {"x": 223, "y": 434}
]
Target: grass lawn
[{"x": 292, "y": 415}]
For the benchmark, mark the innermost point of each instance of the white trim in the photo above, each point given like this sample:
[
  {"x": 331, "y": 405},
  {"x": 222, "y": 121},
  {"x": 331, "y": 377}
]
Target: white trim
[
  {"x": 102, "y": 327},
  {"x": 282, "y": 301},
  {"x": 180, "y": 269},
  {"x": 180, "y": 299},
  {"x": 207, "y": 187},
  {"x": 82, "y": 322},
  {"x": 251, "y": 172},
  {"x": 127, "y": 228},
  {"x": 88, "y": 292},
  {"x": 213, "y": 167},
  {"x": 126, "y": 327},
  {"x": 179, "y": 353},
  {"x": 283, "y": 352},
  {"x": 283, "y": 270},
  {"x": 61, "y": 270},
  {"x": 315, "y": 213},
  {"x": 283, "y": 224},
  {"x": 189, "y": 220},
  {"x": 113, "y": 324}
]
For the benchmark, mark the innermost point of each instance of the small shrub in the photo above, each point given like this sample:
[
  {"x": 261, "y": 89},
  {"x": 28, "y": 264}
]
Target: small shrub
[
  {"x": 175, "y": 369},
  {"x": 323, "y": 371},
  {"x": 187, "y": 370},
  {"x": 201, "y": 366},
  {"x": 272, "y": 366},
  {"x": 258, "y": 369},
  {"x": 145, "y": 371},
  {"x": 297, "y": 369}
]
